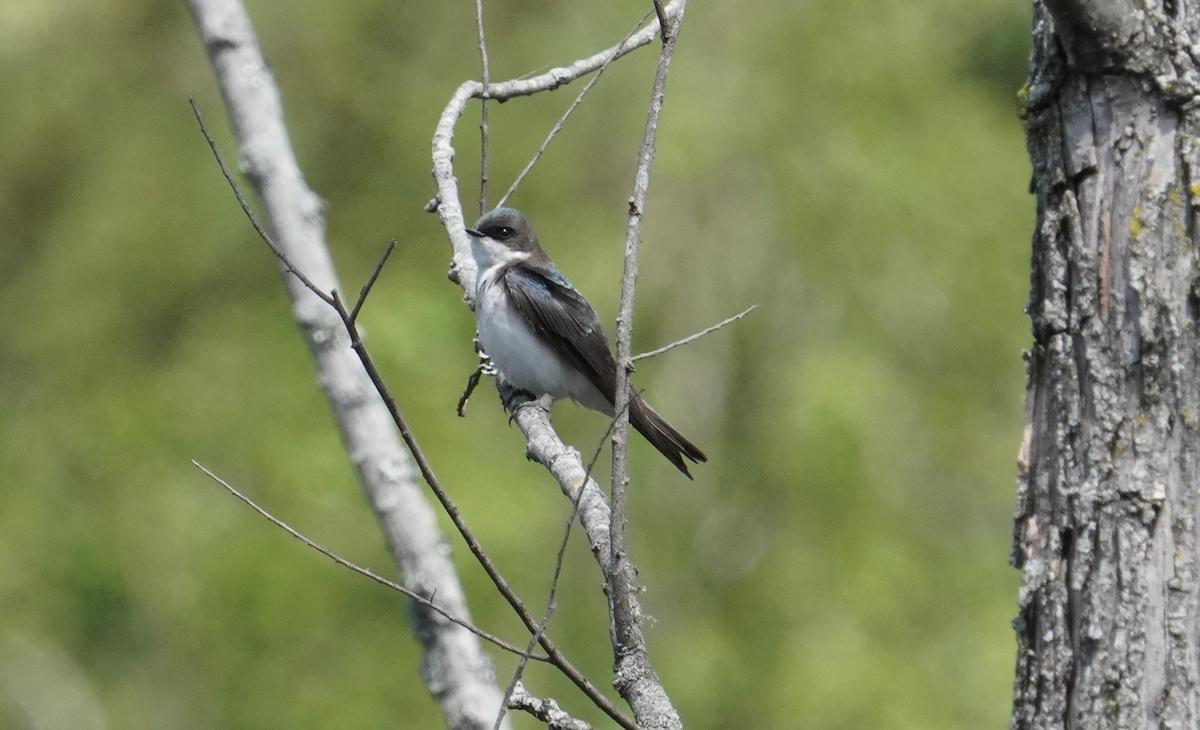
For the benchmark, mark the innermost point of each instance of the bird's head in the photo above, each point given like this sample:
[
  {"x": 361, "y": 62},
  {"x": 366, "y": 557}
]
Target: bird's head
[{"x": 504, "y": 232}]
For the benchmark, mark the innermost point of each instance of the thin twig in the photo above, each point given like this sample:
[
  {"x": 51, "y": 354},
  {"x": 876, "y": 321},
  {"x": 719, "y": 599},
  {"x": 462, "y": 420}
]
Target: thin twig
[
  {"x": 262, "y": 233},
  {"x": 563, "y": 119},
  {"x": 663, "y": 22},
  {"x": 693, "y": 338},
  {"x": 428, "y": 603},
  {"x": 557, "y": 77},
  {"x": 555, "y": 656},
  {"x": 635, "y": 678},
  {"x": 362, "y": 294},
  {"x": 472, "y": 382},
  {"x": 485, "y": 367},
  {"x": 533, "y": 640},
  {"x": 483, "y": 121}
]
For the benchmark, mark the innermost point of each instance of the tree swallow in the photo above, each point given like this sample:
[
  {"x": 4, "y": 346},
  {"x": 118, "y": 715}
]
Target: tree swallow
[{"x": 543, "y": 335}]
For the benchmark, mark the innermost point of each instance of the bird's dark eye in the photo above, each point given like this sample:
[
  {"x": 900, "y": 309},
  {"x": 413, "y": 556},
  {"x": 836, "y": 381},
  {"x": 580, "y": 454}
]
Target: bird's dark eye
[{"x": 506, "y": 232}]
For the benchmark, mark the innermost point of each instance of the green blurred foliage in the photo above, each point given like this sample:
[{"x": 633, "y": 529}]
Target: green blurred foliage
[{"x": 855, "y": 168}]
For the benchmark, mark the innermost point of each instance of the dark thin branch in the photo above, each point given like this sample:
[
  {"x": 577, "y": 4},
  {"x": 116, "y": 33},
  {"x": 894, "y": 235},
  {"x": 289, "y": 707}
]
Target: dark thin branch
[
  {"x": 524, "y": 653},
  {"x": 693, "y": 338},
  {"x": 563, "y": 119},
  {"x": 663, "y": 22},
  {"x": 262, "y": 233},
  {"x": 454, "y": 665},
  {"x": 533, "y": 640},
  {"x": 362, "y": 295},
  {"x": 483, "y": 120}
]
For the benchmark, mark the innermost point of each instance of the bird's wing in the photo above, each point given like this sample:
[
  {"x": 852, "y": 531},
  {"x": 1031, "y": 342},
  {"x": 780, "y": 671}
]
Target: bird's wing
[{"x": 565, "y": 321}]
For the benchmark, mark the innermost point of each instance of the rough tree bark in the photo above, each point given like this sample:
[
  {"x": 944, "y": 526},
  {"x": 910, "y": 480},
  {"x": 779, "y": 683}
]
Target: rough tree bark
[{"x": 1108, "y": 631}]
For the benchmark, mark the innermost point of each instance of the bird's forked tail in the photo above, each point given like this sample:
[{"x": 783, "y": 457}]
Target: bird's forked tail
[{"x": 663, "y": 436}]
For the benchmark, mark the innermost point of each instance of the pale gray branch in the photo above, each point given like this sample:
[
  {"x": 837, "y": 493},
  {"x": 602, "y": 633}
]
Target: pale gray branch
[
  {"x": 635, "y": 678},
  {"x": 546, "y": 711},
  {"x": 561, "y": 120},
  {"x": 566, "y": 466},
  {"x": 449, "y": 207},
  {"x": 693, "y": 338},
  {"x": 455, "y": 667}
]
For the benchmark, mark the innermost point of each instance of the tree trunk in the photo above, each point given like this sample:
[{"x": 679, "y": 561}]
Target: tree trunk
[{"x": 1108, "y": 633}]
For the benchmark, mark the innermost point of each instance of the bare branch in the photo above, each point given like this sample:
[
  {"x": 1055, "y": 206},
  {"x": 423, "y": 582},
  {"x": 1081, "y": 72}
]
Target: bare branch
[
  {"x": 362, "y": 294},
  {"x": 485, "y": 367},
  {"x": 543, "y": 443},
  {"x": 241, "y": 199},
  {"x": 566, "y": 466},
  {"x": 663, "y": 22},
  {"x": 454, "y": 661},
  {"x": 563, "y": 119},
  {"x": 693, "y": 338},
  {"x": 483, "y": 114},
  {"x": 356, "y": 343},
  {"x": 557, "y": 77},
  {"x": 449, "y": 207},
  {"x": 546, "y": 711},
  {"x": 524, "y": 653},
  {"x": 635, "y": 678}
]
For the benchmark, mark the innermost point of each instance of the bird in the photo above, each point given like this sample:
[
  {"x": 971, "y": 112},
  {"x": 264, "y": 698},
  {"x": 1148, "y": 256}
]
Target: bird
[{"x": 545, "y": 338}]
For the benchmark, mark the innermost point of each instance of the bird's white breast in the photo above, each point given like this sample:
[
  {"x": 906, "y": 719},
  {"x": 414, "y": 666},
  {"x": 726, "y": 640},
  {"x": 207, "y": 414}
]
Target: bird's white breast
[
  {"x": 515, "y": 349},
  {"x": 507, "y": 338}
]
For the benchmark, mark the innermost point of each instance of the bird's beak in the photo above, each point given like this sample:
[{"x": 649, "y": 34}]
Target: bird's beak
[{"x": 475, "y": 233}]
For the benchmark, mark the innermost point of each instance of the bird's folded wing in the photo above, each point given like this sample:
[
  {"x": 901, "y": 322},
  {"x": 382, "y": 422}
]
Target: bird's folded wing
[{"x": 566, "y": 323}]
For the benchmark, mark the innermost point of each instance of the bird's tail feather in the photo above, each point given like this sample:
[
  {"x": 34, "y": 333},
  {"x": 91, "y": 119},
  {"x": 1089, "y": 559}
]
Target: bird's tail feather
[{"x": 662, "y": 436}]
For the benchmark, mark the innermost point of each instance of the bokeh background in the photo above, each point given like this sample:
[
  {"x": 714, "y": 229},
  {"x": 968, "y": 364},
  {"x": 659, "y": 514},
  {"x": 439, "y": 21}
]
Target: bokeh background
[{"x": 855, "y": 168}]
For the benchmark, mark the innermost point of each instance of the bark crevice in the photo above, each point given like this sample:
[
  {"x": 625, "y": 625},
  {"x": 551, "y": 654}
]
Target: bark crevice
[{"x": 1105, "y": 533}]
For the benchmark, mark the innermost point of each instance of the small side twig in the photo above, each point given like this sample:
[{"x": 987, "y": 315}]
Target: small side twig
[
  {"x": 241, "y": 199},
  {"x": 664, "y": 23},
  {"x": 525, "y": 654},
  {"x": 693, "y": 338},
  {"x": 362, "y": 294}
]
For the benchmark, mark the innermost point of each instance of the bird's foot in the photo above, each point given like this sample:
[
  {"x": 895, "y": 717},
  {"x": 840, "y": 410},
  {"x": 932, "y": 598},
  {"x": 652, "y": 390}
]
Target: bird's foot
[{"x": 485, "y": 367}]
